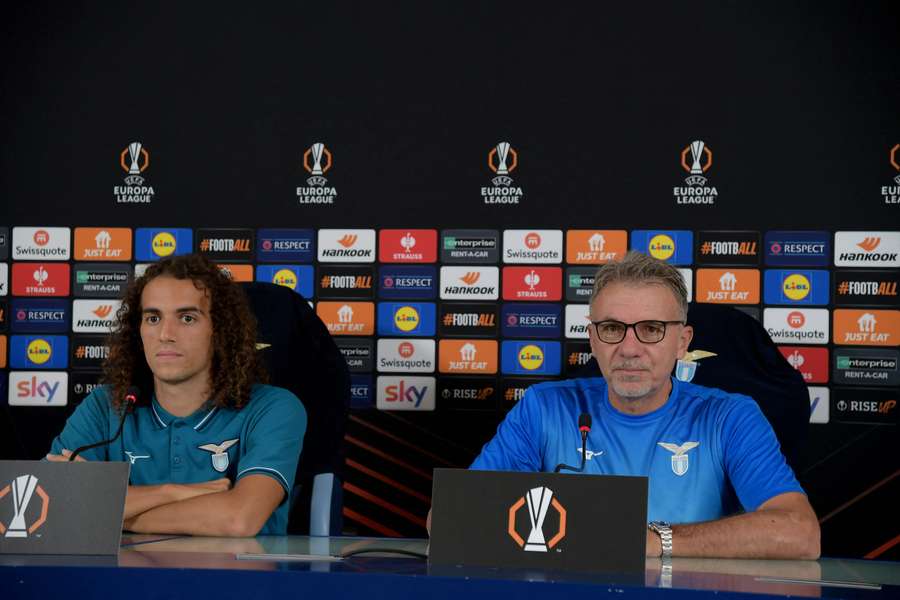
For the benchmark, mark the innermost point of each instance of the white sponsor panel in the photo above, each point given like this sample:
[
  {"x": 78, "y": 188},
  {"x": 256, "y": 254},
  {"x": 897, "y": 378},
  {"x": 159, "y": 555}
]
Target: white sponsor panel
[
  {"x": 38, "y": 388},
  {"x": 532, "y": 246},
  {"x": 688, "y": 276},
  {"x": 819, "y": 404},
  {"x": 41, "y": 243},
  {"x": 346, "y": 245},
  {"x": 470, "y": 283},
  {"x": 405, "y": 393},
  {"x": 577, "y": 321},
  {"x": 797, "y": 325},
  {"x": 140, "y": 269},
  {"x": 405, "y": 355},
  {"x": 867, "y": 249},
  {"x": 4, "y": 279},
  {"x": 94, "y": 316}
]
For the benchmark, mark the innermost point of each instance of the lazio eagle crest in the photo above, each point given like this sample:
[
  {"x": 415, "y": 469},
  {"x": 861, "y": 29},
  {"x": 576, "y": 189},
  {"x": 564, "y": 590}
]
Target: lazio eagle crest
[
  {"x": 219, "y": 453},
  {"x": 679, "y": 455}
]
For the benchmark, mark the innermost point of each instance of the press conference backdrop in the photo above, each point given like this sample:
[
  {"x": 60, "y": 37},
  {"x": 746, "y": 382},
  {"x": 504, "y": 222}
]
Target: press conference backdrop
[{"x": 441, "y": 180}]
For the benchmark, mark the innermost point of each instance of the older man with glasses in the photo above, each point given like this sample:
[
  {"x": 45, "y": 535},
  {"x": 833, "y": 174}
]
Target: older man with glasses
[{"x": 719, "y": 485}]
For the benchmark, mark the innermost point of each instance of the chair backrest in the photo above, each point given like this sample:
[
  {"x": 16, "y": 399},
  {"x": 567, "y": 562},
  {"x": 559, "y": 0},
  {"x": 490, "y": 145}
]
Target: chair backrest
[
  {"x": 302, "y": 357},
  {"x": 748, "y": 362}
]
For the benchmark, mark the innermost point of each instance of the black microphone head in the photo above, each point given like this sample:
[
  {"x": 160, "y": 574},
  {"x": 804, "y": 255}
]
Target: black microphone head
[
  {"x": 584, "y": 422},
  {"x": 132, "y": 395}
]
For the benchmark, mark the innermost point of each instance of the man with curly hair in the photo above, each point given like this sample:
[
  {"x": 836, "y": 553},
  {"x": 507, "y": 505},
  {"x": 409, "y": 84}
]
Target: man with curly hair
[{"x": 213, "y": 450}]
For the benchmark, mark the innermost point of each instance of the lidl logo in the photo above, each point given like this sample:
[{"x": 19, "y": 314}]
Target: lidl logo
[
  {"x": 810, "y": 288},
  {"x": 295, "y": 277},
  {"x": 530, "y": 357},
  {"x": 409, "y": 318},
  {"x": 153, "y": 244},
  {"x": 675, "y": 247},
  {"x": 406, "y": 318},
  {"x": 38, "y": 352}
]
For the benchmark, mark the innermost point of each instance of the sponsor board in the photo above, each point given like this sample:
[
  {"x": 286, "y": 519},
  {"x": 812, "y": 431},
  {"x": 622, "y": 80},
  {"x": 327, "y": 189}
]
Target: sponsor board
[
  {"x": 94, "y": 316},
  {"x": 98, "y": 280},
  {"x": 595, "y": 246},
  {"x": 531, "y": 320},
  {"x": 40, "y": 279},
  {"x": 470, "y": 283},
  {"x": 345, "y": 281},
  {"x": 673, "y": 247},
  {"x": 89, "y": 352},
  {"x": 532, "y": 246},
  {"x": 2, "y": 352},
  {"x": 406, "y": 318},
  {"x": 405, "y": 356},
  {"x": 237, "y": 273},
  {"x": 4, "y": 315},
  {"x": 728, "y": 286},
  {"x": 877, "y": 288},
  {"x": 789, "y": 286},
  {"x": 359, "y": 354},
  {"x": 530, "y": 357},
  {"x": 407, "y": 245},
  {"x": 232, "y": 245},
  {"x": 811, "y": 362},
  {"x": 81, "y": 384},
  {"x": 580, "y": 283},
  {"x": 578, "y": 320},
  {"x": 856, "y": 405},
  {"x": 819, "y": 404},
  {"x": 797, "y": 248},
  {"x": 4, "y": 279},
  {"x": 469, "y": 357},
  {"x": 361, "y": 391},
  {"x": 867, "y": 249},
  {"x": 866, "y": 366},
  {"x": 468, "y": 392},
  {"x": 102, "y": 244},
  {"x": 728, "y": 248},
  {"x": 578, "y": 354},
  {"x": 687, "y": 275},
  {"x": 41, "y": 243},
  {"x": 412, "y": 282},
  {"x": 296, "y": 277},
  {"x": 866, "y": 327},
  {"x": 347, "y": 318},
  {"x": 39, "y": 316},
  {"x": 154, "y": 243},
  {"x": 346, "y": 245},
  {"x": 532, "y": 283},
  {"x": 286, "y": 245},
  {"x": 458, "y": 319},
  {"x": 4, "y": 243},
  {"x": 470, "y": 246},
  {"x": 797, "y": 325},
  {"x": 513, "y": 388},
  {"x": 405, "y": 393},
  {"x": 38, "y": 388},
  {"x": 38, "y": 351}
]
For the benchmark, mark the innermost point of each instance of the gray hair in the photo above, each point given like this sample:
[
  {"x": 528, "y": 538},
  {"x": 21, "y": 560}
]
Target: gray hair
[{"x": 639, "y": 268}]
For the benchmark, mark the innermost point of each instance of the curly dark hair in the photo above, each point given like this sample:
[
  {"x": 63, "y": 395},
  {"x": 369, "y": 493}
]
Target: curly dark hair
[{"x": 235, "y": 364}]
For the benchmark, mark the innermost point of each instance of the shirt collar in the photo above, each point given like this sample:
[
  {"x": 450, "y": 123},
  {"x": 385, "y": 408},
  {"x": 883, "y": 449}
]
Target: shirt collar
[
  {"x": 196, "y": 420},
  {"x": 647, "y": 417}
]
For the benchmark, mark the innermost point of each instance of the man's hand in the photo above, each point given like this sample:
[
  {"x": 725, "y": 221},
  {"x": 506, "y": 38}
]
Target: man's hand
[
  {"x": 64, "y": 457},
  {"x": 141, "y": 498}
]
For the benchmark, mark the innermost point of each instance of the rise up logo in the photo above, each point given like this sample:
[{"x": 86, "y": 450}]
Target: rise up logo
[
  {"x": 502, "y": 159},
  {"x": 696, "y": 159},
  {"x": 317, "y": 160},
  {"x": 134, "y": 159}
]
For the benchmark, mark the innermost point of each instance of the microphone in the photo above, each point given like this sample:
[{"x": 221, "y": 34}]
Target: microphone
[
  {"x": 131, "y": 398},
  {"x": 584, "y": 426}
]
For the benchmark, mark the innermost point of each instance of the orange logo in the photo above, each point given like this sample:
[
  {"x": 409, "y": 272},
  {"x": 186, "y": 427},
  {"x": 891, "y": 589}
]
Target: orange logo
[
  {"x": 533, "y": 240},
  {"x": 894, "y": 162},
  {"x": 539, "y": 501},
  {"x": 347, "y": 318},
  {"x": 103, "y": 310},
  {"x": 595, "y": 246},
  {"x": 23, "y": 487},
  {"x": 728, "y": 286},
  {"x": 867, "y": 327},
  {"x": 318, "y": 168},
  {"x": 348, "y": 240},
  {"x": 470, "y": 278},
  {"x": 796, "y": 319},
  {"x": 135, "y": 152},
  {"x": 238, "y": 272},
  {"x": 102, "y": 243},
  {"x": 696, "y": 164},
  {"x": 507, "y": 161},
  {"x": 870, "y": 243},
  {"x": 468, "y": 356},
  {"x": 2, "y": 351},
  {"x": 41, "y": 237}
]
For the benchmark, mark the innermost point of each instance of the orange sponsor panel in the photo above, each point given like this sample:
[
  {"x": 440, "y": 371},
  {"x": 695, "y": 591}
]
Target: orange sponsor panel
[
  {"x": 238, "y": 272},
  {"x": 595, "y": 246},
  {"x": 867, "y": 327},
  {"x": 468, "y": 356},
  {"x": 102, "y": 243},
  {"x": 347, "y": 318},
  {"x": 2, "y": 351},
  {"x": 727, "y": 286}
]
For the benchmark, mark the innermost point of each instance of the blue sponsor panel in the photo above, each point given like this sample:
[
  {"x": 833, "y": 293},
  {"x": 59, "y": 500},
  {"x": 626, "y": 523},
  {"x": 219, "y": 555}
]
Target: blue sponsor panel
[
  {"x": 415, "y": 283},
  {"x": 156, "y": 243},
  {"x": 530, "y": 357},
  {"x": 38, "y": 351},
  {"x": 798, "y": 248},
  {"x": 286, "y": 245},
  {"x": 792, "y": 286},
  {"x": 296, "y": 277},
  {"x": 39, "y": 316},
  {"x": 406, "y": 318},
  {"x": 361, "y": 391},
  {"x": 531, "y": 320},
  {"x": 672, "y": 246}
]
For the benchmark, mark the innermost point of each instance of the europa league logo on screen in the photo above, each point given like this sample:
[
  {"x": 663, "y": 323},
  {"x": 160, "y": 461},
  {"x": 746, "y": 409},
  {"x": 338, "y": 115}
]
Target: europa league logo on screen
[
  {"x": 891, "y": 193},
  {"x": 696, "y": 159},
  {"x": 502, "y": 159},
  {"x": 134, "y": 160},
  {"x": 539, "y": 501},
  {"x": 21, "y": 490},
  {"x": 317, "y": 161}
]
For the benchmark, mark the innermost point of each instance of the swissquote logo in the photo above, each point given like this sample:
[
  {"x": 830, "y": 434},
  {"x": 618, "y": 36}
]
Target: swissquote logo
[
  {"x": 538, "y": 501},
  {"x": 502, "y": 160},
  {"x": 346, "y": 245},
  {"x": 317, "y": 160},
  {"x": 532, "y": 246},
  {"x": 41, "y": 243},
  {"x": 21, "y": 490},
  {"x": 797, "y": 326},
  {"x": 891, "y": 193},
  {"x": 696, "y": 159},
  {"x": 134, "y": 160}
]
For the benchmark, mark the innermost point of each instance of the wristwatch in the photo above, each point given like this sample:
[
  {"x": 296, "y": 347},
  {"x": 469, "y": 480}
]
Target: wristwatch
[{"x": 664, "y": 531}]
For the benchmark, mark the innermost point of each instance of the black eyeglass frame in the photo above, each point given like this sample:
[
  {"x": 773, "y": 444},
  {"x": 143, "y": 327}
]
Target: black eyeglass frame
[{"x": 665, "y": 325}]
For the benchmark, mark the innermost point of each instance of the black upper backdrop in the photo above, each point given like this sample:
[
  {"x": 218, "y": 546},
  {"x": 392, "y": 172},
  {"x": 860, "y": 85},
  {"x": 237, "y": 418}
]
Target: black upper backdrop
[{"x": 798, "y": 102}]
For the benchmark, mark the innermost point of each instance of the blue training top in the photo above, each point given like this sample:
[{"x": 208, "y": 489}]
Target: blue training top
[
  {"x": 262, "y": 438},
  {"x": 706, "y": 452}
]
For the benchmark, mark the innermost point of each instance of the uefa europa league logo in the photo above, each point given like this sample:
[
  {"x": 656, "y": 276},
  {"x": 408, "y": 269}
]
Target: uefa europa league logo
[
  {"x": 538, "y": 500},
  {"x": 23, "y": 488},
  {"x": 317, "y": 152},
  {"x": 136, "y": 154},
  {"x": 698, "y": 151},
  {"x": 507, "y": 159}
]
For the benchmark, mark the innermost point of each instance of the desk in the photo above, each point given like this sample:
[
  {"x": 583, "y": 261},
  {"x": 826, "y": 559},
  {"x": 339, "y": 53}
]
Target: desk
[{"x": 163, "y": 566}]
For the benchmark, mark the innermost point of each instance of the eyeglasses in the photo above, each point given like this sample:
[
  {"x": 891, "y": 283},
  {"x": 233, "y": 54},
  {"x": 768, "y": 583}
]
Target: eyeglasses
[{"x": 648, "y": 332}]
